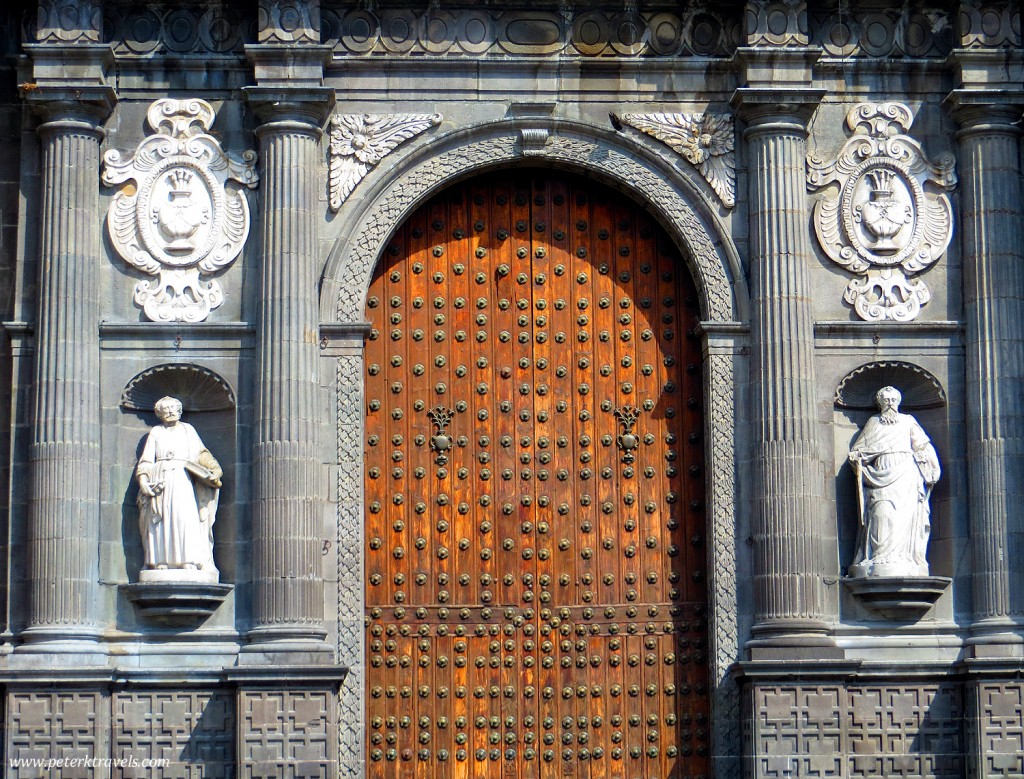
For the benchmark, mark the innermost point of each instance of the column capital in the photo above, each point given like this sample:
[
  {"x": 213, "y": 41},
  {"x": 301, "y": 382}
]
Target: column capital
[
  {"x": 986, "y": 109},
  {"x": 776, "y": 108},
  {"x": 71, "y": 107},
  {"x": 294, "y": 107}
]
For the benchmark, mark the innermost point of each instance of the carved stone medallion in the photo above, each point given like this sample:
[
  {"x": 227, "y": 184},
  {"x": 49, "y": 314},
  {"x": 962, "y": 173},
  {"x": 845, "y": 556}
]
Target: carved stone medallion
[
  {"x": 360, "y": 141},
  {"x": 181, "y": 211},
  {"x": 885, "y": 213}
]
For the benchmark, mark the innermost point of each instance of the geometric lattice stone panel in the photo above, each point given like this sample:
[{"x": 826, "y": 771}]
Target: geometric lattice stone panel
[
  {"x": 287, "y": 734},
  {"x": 193, "y": 731},
  {"x": 1000, "y": 715},
  {"x": 830, "y": 730},
  {"x": 905, "y": 731},
  {"x": 51, "y": 726}
]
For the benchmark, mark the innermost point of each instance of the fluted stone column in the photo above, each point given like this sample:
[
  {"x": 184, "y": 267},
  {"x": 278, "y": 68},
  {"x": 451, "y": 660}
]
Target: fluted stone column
[
  {"x": 288, "y": 595},
  {"x": 63, "y": 521},
  {"x": 992, "y": 230},
  {"x": 788, "y": 554}
]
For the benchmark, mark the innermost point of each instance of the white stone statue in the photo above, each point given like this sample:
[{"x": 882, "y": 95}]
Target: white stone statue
[
  {"x": 179, "y": 487},
  {"x": 896, "y": 467}
]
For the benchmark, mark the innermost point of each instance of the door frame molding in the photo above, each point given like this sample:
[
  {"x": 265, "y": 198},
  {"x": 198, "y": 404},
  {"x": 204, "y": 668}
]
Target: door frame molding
[{"x": 678, "y": 204}]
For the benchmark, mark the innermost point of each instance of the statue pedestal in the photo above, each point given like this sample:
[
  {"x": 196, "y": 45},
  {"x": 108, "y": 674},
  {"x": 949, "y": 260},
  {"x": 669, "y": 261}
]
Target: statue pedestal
[
  {"x": 904, "y": 598},
  {"x": 176, "y": 602}
]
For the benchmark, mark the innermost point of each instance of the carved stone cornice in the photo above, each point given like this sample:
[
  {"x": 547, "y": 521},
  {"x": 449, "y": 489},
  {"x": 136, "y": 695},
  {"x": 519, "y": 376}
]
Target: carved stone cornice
[
  {"x": 288, "y": 67},
  {"x": 780, "y": 67},
  {"x": 68, "y": 65}
]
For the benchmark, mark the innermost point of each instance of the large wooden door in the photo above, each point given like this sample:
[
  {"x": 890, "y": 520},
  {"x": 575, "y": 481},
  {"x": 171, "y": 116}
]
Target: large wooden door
[{"x": 536, "y": 594}]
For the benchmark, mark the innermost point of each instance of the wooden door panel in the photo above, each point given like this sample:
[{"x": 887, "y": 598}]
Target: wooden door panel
[{"x": 534, "y": 478}]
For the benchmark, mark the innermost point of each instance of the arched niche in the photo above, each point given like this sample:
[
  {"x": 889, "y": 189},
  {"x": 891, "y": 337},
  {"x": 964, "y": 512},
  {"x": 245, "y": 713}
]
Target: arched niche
[
  {"x": 209, "y": 403},
  {"x": 925, "y": 398}
]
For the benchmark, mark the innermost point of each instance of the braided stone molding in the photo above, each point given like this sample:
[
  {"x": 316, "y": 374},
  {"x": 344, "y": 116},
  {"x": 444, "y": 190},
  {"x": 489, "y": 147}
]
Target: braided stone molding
[
  {"x": 349, "y": 545},
  {"x": 360, "y": 141},
  {"x": 707, "y": 261},
  {"x": 706, "y": 141},
  {"x": 720, "y": 421},
  {"x": 884, "y": 213}
]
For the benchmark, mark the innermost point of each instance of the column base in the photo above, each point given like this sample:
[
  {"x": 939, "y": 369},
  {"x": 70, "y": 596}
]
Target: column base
[
  {"x": 792, "y": 639},
  {"x": 66, "y": 646},
  {"x": 996, "y": 637},
  {"x": 288, "y": 644}
]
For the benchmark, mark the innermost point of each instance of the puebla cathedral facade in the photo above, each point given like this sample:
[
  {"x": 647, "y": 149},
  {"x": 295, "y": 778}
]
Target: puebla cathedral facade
[{"x": 623, "y": 390}]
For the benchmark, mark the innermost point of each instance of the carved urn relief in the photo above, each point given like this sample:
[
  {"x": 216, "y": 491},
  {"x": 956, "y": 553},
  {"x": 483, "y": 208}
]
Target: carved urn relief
[
  {"x": 885, "y": 213},
  {"x": 181, "y": 212}
]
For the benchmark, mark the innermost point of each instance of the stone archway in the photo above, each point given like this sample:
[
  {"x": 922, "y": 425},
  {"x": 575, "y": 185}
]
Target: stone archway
[{"x": 370, "y": 221}]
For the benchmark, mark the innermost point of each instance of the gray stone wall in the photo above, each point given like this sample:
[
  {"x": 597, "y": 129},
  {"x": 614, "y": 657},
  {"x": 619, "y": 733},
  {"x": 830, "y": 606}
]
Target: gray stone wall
[{"x": 809, "y": 680}]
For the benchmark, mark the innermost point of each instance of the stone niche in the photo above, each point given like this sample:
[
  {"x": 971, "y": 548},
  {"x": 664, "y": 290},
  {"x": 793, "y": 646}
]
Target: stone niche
[
  {"x": 171, "y": 597},
  {"x": 901, "y": 598}
]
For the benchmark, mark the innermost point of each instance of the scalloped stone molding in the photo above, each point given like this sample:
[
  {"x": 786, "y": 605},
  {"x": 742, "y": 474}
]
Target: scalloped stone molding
[
  {"x": 360, "y": 141},
  {"x": 706, "y": 141},
  {"x": 198, "y": 388},
  {"x": 920, "y": 389},
  {"x": 884, "y": 214},
  {"x": 181, "y": 211}
]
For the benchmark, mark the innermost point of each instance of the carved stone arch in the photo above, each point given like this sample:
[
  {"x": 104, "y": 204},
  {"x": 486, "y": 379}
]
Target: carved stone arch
[
  {"x": 622, "y": 163},
  {"x": 919, "y": 388},
  {"x": 198, "y": 388}
]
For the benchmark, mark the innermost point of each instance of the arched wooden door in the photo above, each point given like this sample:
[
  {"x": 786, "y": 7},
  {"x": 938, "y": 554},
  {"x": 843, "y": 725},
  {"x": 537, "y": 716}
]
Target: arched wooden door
[{"x": 536, "y": 594}]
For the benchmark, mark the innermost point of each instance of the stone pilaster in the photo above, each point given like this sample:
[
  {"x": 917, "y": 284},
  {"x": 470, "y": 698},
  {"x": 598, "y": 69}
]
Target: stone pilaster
[
  {"x": 288, "y": 593},
  {"x": 989, "y": 68},
  {"x": 992, "y": 231},
  {"x": 64, "y": 459},
  {"x": 789, "y": 558}
]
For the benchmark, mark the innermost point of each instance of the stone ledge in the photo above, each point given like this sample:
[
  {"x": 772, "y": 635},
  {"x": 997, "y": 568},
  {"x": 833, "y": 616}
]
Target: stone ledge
[
  {"x": 176, "y": 603},
  {"x": 898, "y": 597}
]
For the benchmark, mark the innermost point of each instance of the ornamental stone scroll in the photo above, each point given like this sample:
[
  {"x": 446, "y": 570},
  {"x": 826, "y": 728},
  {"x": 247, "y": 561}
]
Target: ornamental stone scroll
[
  {"x": 885, "y": 213},
  {"x": 181, "y": 212}
]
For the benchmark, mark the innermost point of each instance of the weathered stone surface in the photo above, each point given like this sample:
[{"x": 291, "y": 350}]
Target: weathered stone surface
[{"x": 275, "y": 682}]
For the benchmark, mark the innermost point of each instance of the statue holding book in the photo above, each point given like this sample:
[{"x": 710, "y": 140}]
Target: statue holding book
[{"x": 179, "y": 487}]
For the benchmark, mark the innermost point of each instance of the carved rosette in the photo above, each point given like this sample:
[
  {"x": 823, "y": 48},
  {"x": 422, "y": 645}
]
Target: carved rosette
[
  {"x": 706, "y": 141},
  {"x": 360, "y": 141},
  {"x": 181, "y": 212},
  {"x": 885, "y": 213}
]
